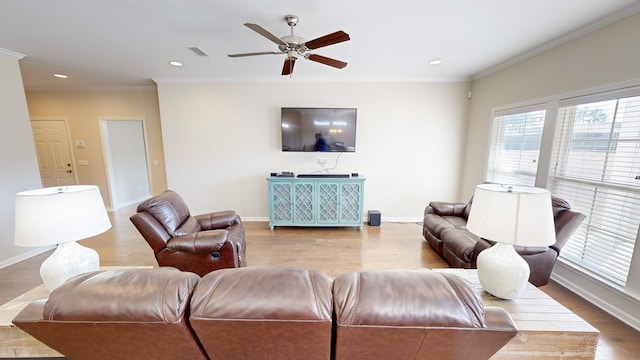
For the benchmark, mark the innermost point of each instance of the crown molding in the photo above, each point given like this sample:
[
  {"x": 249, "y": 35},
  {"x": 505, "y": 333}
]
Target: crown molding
[
  {"x": 12, "y": 54},
  {"x": 209, "y": 80}
]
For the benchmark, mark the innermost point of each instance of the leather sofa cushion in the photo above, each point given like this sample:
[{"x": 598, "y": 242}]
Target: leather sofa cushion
[
  {"x": 437, "y": 224},
  {"x": 97, "y": 296},
  {"x": 264, "y": 313},
  {"x": 117, "y": 314},
  {"x": 415, "y": 314},
  {"x": 460, "y": 242},
  {"x": 407, "y": 298}
]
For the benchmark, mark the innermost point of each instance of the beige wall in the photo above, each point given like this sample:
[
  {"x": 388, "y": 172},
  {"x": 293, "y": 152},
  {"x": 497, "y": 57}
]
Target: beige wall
[
  {"x": 17, "y": 156},
  {"x": 84, "y": 108},
  {"x": 604, "y": 57},
  {"x": 222, "y": 140}
]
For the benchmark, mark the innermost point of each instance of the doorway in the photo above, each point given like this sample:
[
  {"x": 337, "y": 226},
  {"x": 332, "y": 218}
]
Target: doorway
[
  {"x": 55, "y": 159},
  {"x": 125, "y": 153}
]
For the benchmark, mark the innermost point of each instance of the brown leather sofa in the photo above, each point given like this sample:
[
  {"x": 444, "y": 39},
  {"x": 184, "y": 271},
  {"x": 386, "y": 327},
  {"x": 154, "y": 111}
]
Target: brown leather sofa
[
  {"x": 444, "y": 228},
  {"x": 199, "y": 244},
  {"x": 267, "y": 313}
]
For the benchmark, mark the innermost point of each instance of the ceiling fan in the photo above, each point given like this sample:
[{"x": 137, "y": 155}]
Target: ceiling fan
[{"x": 294, "y": 46}]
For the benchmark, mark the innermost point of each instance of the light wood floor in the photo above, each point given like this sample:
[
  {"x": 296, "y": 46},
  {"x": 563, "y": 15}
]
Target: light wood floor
[{"x": 334, "y": 251}]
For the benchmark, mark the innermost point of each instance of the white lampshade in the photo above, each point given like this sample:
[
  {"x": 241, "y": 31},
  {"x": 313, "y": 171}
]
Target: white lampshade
[
  {"x": 56, "y": 215},
  {"x": 61, "y": 215},
  {"x": 518, "y": 215},
  {"x": 509, "y": 215}
]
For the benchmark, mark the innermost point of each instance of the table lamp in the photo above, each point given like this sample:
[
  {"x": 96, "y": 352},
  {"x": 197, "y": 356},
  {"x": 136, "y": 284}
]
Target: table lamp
[
  {"x": 61, "y": 215},
  {"x": 509, "y": 215}
]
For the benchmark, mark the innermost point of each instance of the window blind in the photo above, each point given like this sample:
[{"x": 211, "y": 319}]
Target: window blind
[
  {"x": 515, "y": 146},
  {"x": 597, "y": 170}
]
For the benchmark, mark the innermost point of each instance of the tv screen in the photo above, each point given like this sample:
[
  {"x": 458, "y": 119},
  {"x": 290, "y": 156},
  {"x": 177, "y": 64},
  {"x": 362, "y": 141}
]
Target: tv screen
[{"x": 319, "y": 129}]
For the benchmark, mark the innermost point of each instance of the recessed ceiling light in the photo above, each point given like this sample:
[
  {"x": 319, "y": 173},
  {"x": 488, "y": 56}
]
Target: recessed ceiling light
[
  {"x": 175, "y": 63},
  {"x": 435, "y": 62},
  {"x": 60, "y": 76}
]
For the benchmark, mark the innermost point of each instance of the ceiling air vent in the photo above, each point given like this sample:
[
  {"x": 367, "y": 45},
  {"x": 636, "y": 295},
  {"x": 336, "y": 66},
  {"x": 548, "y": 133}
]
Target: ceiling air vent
[{"x": 196, "y": 50}]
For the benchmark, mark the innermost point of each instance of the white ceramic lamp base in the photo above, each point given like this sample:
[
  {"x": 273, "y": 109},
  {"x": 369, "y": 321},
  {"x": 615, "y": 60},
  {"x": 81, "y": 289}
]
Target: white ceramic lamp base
[
  {"x": 502, "y": 272},
  {"x": 69, "y": 259}
]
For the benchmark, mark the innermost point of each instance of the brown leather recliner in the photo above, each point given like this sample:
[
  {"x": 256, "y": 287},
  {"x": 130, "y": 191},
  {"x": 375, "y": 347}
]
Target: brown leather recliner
[
  {"x": 444, "y": 228},
  {"x": 199, "y": 244}
]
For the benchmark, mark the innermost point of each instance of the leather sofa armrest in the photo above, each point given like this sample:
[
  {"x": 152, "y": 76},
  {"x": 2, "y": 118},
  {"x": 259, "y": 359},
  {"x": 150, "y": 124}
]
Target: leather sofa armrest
[
  {"x": 218, "y": 219},
  {"x": 200, "y": 242},
  {"x": 567, "y": 222},
  {"x": 496, "y": 318},
  {"x": 448, "y": 208},
  {"x": 31, "y": 313}
]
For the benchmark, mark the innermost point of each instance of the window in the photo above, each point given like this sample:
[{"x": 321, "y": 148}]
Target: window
[
  {"x": 515, "y": 146},
  {"x": 596, "y": 168}
]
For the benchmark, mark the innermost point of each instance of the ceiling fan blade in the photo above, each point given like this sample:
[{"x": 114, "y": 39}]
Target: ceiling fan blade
[
  {"x": 330, "y": 39},
  {"x": 327, "y": 61},
  {"x": 255, "y": 53},
  {"x": 264, "y": 32},
  {"x": 287, "y": 68}
]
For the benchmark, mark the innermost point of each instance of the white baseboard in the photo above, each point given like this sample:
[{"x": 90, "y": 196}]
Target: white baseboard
[
  {"x": 24, "y": 256},
  {"x": 610, "y": 299}
]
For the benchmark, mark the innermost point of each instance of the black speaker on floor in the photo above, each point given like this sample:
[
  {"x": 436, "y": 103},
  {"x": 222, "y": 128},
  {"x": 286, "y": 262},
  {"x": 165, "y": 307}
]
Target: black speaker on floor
[{"x": 374, "y": 217}]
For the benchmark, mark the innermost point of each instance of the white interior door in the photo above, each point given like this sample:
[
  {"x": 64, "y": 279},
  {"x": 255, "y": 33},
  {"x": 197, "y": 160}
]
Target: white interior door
[
  {"x": 54, "y": 152},
  {"x": 126, "y": 160}
]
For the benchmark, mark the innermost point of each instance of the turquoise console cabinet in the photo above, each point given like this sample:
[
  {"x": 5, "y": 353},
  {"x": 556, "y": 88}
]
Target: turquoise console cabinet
[{"x": 323, "y": 201}]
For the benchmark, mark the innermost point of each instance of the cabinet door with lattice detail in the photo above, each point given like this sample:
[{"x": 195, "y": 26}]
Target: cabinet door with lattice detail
[
  {"x": 303, "y": 203},
  {"x": 280, "y": 203},
  {"x": 351, "y": 203},
  {"x": 327, "y": 202}
]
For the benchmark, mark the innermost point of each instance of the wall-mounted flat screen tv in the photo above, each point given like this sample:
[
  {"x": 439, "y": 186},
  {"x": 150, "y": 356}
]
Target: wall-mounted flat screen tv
[{"x": 319, "y": 129}]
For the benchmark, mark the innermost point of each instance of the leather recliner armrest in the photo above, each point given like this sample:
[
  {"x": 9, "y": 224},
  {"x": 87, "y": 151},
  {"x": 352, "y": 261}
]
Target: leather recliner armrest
[
  {"x": 218, "y": 219},
  {"x": 200, "y": 242}
]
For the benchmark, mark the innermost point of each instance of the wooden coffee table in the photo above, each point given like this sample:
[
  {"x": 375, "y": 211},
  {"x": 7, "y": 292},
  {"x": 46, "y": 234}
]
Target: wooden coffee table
[{"x": 546, "y": 329}]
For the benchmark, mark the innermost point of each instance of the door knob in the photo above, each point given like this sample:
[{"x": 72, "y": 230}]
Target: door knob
[{"x": 69, "y": 171}]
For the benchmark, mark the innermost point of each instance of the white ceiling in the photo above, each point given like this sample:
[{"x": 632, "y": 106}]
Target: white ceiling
[{"x": 129, "y": 42}]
